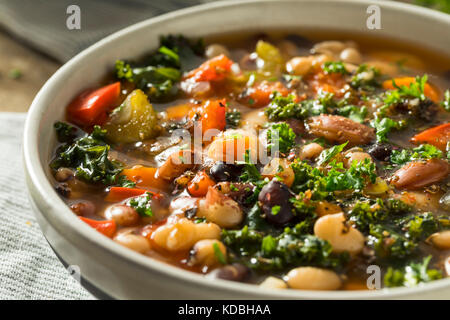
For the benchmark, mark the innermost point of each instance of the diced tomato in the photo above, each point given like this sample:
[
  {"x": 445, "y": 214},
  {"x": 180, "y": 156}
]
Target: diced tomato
[
  {"x": 145, "y": 177},
  {"x": 198, "y": 187},
  {"x": 215, "y": 69},
  {"x": 91, "y": 107},
  {"x": 117, "y": 194},
  {"x": 331, "y": 83},
  {"x": 105, "y": 227},
  {"x": 259, "y": 95},
  {"x": 429, "y": 91},
  {"x": 437, "y": 136},
  {"x": 212, "y": 115}
]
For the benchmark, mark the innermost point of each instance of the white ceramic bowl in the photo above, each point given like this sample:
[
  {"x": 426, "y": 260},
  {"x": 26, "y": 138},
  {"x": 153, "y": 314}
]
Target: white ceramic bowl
[{"x": 122, "y": 273}]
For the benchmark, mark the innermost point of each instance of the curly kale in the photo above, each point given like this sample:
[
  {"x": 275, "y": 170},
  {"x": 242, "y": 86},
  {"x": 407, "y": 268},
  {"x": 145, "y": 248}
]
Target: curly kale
[
  {"x": 161, "y": 70},
  {"x": 412, "y": 274},
  {"x": 282, "y": 135},
  {"x": 233, "y": 118},
  {"x": 422, "y": 152},
  {"x": 88, "y": 155}
]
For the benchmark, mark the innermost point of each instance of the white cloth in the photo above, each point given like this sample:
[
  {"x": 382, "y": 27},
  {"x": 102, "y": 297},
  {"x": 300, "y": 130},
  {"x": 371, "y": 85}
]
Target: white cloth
[{"x": 28, "y": 267}]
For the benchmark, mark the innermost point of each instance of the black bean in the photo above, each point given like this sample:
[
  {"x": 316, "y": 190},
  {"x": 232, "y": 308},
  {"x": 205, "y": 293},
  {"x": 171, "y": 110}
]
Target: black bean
[
  {"x": 221, "y": 171},
  {"x": 63, "y": 189},
  {"x": 381, "y": 152},
  {"x": 276, "y": 194},
  {"x": 233, "y": 272}
]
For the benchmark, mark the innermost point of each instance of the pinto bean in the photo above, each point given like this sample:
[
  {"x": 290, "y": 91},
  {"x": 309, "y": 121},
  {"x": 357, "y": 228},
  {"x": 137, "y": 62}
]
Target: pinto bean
[
  {"x": 220, "y": 209},
  {"x": 83, "y": 208},
  {"x": 357, "y": 156},
  {"x": 419, "y": 174},
  {"x": 340, "y": 129},
  {"x": 122, "y": 214},
  {"x": 279, "y": 167},
  {"x": 310, "y": 151},
  {"x": 176, "y": 164},
  {"x": 311, "y": 278},
  {"x": 341, "y": 237}
]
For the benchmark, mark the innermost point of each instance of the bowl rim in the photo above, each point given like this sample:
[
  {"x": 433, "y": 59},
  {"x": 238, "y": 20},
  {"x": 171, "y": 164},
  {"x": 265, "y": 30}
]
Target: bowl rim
[{"x": 58, "y": 211}]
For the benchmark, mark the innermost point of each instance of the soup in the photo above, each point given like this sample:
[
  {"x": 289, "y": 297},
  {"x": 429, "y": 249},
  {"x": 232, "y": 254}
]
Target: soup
[{"x": 282, "y": 160}]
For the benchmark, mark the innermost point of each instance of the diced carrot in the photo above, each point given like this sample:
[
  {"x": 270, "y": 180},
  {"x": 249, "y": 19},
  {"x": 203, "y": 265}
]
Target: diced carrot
[
  {"x": 198, "y": 187},
  {"x": 429, "y": 91},
  {"x": 178, "y": 112},
  {"x": 145, "y": 177},
  {"x": 215, "y": 69},
  {"x": 105, "y": 227},
  {"x": 437, "y": 136},
  {"x": 91, "y": 107},
  {"x": 233, "y": 148},
  {"x": 259, "y": 95},
  {"x": 212, "y": 115}
]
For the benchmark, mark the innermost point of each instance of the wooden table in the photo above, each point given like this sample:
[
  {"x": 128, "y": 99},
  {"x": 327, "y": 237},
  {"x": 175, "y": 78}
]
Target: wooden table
[{"x": 23, "y": 72}]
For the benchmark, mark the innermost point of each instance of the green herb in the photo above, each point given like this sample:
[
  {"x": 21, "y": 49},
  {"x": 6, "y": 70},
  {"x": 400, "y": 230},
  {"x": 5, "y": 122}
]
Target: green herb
[
  {"x": 219, "y": 254},
  {"x": 389, "y": 243},
  {"x": 328, "y": 154},
  {"x": 276, "y": 210},
  {"x": 355, "y": 113},
  {"x": 334, "y": 67},
  {"x": 282, "y": 108},
  {"x": 250, "y": 173},
  {"x": 415, "y": 90},
  {"x": 281, "y": 135},
  {"x": 365, "y": 78},
  {"x": 142, "y": 204},
  {"x": 424, "y": 151},
  {"x": 446, "y": 103},
  {"x": 233, "y": 118},
  {"x": 411, "y": 275},
  {"x": 122, "y": 181},
  {"x": 88, "y": 155},
  {"x": 64, "y": 131},
  {"x": 442, "y": 5},
  {"x": 384, "y": 126},
  {"x": 15, "y": 74}
]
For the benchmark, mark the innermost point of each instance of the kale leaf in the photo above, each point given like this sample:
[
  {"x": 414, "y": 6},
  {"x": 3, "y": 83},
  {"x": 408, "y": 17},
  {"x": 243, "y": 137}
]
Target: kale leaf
[
  {"x": 88, "y": 155},
  {"x": 412, "y": 274},
  {"x": 282, "y": 135}
]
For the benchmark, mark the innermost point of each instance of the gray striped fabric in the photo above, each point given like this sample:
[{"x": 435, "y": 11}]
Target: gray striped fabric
[
  {"x": 28, "y": 267},
  {"x": 42, "y": 23}
]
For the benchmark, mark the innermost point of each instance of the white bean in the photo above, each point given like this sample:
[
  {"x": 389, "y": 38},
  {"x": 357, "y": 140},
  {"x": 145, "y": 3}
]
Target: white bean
[
  {"x": 342, "y": 238},
  {"x": 204, "y": 253},
  {"x": 311, "y": 278},
  {"x": 220, "y": 209},
  {"x": 300, "y": 65},
  {"x": 441, "y": 239},
  {"x": 351, "y": 55},
  {"x": 133, "y": 241},
  {"x": 215, "y": 49},
  {"x": 183, "y": 234},
  {"x": 273, "y": 283}
]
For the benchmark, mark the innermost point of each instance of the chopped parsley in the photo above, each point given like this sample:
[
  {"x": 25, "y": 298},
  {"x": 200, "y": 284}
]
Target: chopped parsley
[
  {"x": 334, "y": 67},
  {"x": 142, "y": 204}
]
